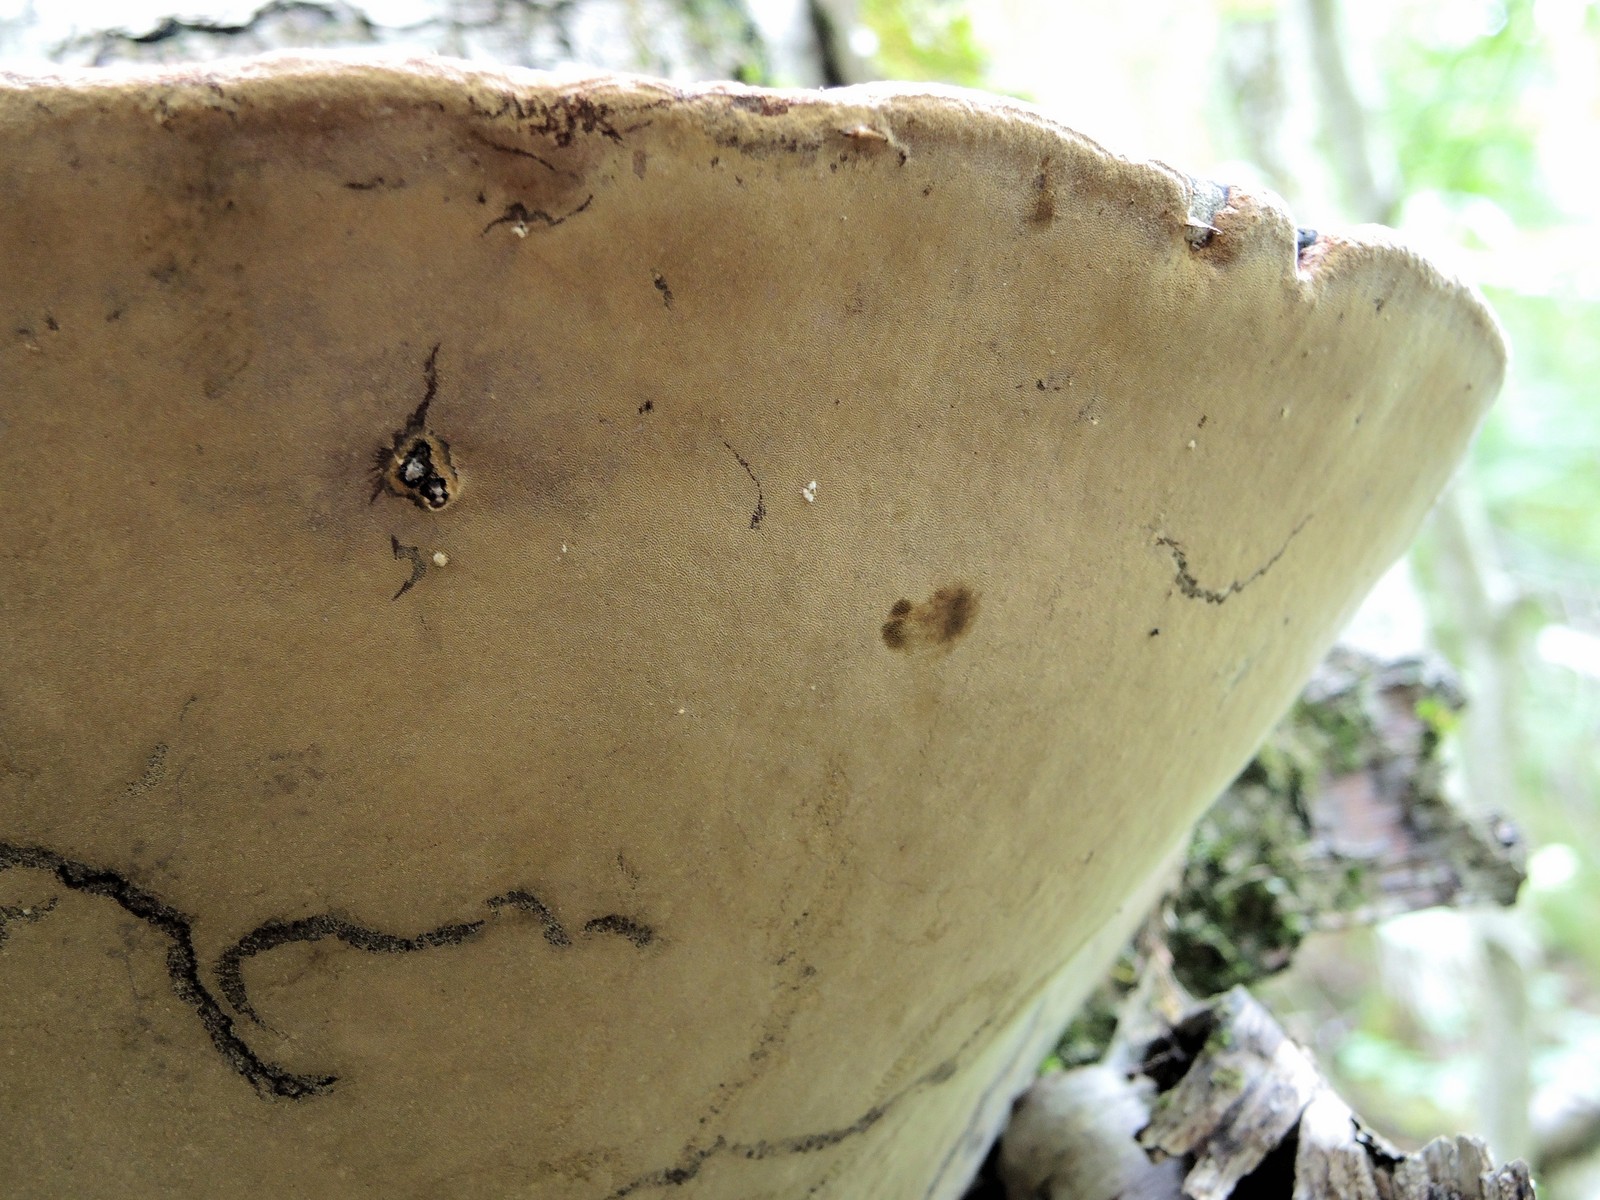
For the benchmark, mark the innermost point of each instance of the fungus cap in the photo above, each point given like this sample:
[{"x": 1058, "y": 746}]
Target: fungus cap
[{"x": 578, "y": 638}]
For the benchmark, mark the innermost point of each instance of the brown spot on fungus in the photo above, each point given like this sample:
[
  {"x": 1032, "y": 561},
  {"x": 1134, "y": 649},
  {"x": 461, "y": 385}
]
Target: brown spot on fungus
[
  {"x": 938, "y": 621},
  {"x": 1043, "y": 211}
]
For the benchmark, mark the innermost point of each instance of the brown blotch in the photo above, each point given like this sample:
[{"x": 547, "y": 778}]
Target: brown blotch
[
  {"x": 1043, "y": 211},
  {"x": 938, "y": 622},
  {"x": 953, "y": 610}
]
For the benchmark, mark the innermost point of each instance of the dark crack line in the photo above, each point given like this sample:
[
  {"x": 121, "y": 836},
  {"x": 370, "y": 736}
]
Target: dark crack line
[
  {"x": 520, "y": 216},
  {"x": 183, "y": 965},
  {"x": 419, "y": 567},
  {"x": 415, "y": 425},
  {"x": 694, "y": 1159},
  {"x": 418, "y": 420},
  {"x": 520, "y": 153},
  {"x": 760, "y": 510},
  {"x": 1190, "y": 586}
]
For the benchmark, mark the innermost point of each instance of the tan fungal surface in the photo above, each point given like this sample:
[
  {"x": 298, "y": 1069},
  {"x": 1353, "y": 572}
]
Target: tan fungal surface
[{"x": 687, "y": 834}]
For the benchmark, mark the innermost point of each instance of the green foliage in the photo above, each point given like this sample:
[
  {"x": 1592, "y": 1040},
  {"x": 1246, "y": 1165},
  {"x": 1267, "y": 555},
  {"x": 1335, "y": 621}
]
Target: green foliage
[
  {"x": 1414, "y": 1091},
  {"x": 1344, "y": 729},
  {"x": 1440, "y": 717},
  {"x": 1538, "y": 457},
  {"x": 925, "y": 40},
  {"x": 723, "y": 30},
  {"x": 1459, "y": 114},
  {"x": 1237, "y": 915},
  {"x": 1467, "y": 116}
]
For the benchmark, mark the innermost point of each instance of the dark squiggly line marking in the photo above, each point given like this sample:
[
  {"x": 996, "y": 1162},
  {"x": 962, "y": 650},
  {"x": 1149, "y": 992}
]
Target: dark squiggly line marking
[
  {"x": 694, "y": 1160},
  {"x": 230, "y": 978},
  {"x": 520, "y": 215},
  {"x": 528, "y": 902},
  {"x": 627, "y": 927},
  {"x": 430, "y": 389},
  {"x": 564, "y": 118},
  {"x": 419, "y": 568},
  {"x": 520, "y": 153},
  {"x": 1190, "y": 586},
  {"x": 269, "y": 1079},
  {"x": 230, "y": 963},
  {"x": 415, "y": 425},
  {"x": 760, "y": 511}
]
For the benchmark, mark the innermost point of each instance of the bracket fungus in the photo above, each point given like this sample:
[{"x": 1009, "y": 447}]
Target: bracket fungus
[{"x": 878, "y": 521}]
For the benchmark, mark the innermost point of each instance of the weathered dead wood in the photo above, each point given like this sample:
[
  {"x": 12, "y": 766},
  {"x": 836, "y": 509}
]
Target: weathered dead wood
[
  {"x": 1227, "y": 1108},
  {"x": 1340, "y": 820}
]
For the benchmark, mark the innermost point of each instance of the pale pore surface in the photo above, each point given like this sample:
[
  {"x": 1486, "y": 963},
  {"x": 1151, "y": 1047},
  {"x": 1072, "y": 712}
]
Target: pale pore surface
[{"x": 634, "y": 823}]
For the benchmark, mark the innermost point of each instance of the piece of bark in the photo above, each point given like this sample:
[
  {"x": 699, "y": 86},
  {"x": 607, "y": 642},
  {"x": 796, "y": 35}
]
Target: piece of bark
[
  {"x": 1384, "y": 813},
  {"x": 1459, "y": 1166},
  {"x": 1234, "y": 1092},
  {"x": 1237, "y": 1101},
  {"x": 1331, "y": 1160},
  {"x": 1341, "y": 819},
  {"x": 679, "y": 39}
]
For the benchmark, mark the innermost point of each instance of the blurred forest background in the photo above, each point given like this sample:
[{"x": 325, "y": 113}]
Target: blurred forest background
[{"x": 1471, "y": 125}]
